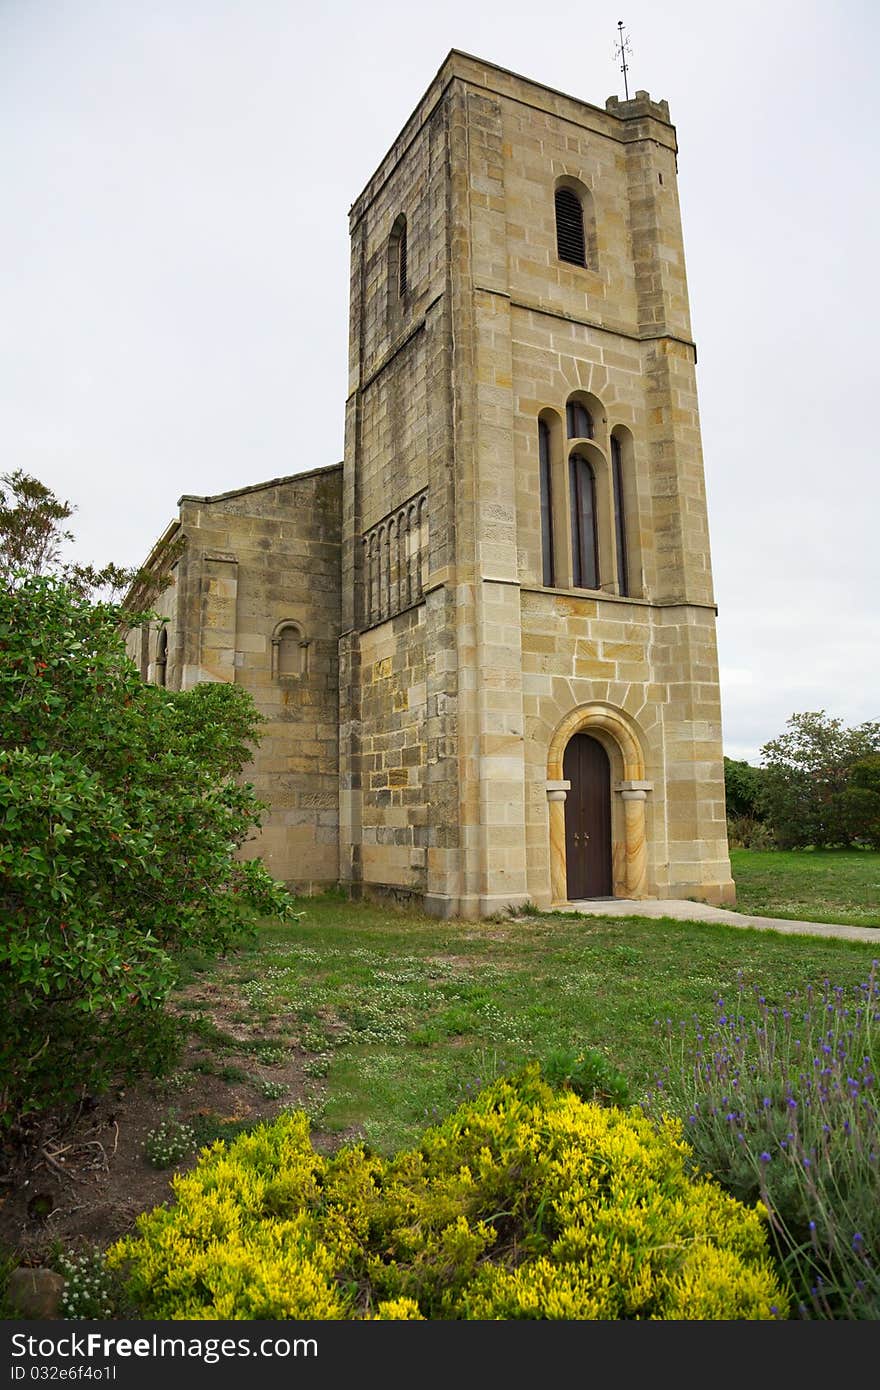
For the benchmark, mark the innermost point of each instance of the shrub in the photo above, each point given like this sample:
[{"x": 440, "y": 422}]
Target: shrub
[
  {"x": 780, "y": 1102},
  {"x": 745, "y": 832},
  {"x": 525, "y": 1203},
  {"x": 588, "y": 1073},
  {"x": 121, "y": 809}
]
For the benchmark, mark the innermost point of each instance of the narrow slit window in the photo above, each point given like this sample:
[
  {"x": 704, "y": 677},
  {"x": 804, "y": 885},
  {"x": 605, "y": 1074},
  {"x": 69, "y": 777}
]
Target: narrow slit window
[
  {"x": 570, "y": 227},
  {"x": 579, "y": 421},
  {"x": 619, "y": 517},
  {"x": 585, "y": 566},
  {"x": 548, "y": 572}
]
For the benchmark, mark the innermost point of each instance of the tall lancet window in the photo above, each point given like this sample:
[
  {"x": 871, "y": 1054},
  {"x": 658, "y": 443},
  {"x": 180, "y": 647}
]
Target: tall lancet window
[
  {"x": 619, "y": 516},
  {"x": 584, "y": 548},
  {"x": 548, "y": 570}
]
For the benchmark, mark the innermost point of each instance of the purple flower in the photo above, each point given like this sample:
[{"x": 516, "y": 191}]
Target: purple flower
[{"x": 765, "y": 1157}]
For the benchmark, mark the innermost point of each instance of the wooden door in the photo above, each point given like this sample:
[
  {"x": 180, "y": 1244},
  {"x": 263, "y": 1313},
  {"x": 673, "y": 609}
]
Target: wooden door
[{"x": 587, "y": 819}]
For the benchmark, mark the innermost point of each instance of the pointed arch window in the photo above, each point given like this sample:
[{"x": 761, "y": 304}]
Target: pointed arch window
[
  {"x": 570, "y": 244},
  {"x": 584, "y": 546},
  {"x": 546, "y": 487},
  {"x": 619, "y": 516}
]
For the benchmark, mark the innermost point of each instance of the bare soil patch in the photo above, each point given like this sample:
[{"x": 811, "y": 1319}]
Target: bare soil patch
[{"x": 83, "y": 1178}]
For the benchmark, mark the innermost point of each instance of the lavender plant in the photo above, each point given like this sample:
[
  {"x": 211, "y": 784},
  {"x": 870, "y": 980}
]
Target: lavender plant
[{"x": 781, "y": 1104}]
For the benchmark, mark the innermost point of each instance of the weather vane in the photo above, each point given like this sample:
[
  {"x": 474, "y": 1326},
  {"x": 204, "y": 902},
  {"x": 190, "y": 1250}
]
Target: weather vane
[{"x": 621, "y": 48}]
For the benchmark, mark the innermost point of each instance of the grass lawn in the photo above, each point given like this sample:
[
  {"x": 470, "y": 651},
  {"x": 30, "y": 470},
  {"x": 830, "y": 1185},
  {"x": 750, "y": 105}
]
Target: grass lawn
[
  {"x": 825, "y": 885},
  {"x": 402, "y": 1017}
]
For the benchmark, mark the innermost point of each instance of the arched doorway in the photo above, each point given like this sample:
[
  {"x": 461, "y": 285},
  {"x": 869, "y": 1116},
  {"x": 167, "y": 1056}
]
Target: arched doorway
[
  {"x": 587, "y": 819},
  {"x": 620, "y": 740}
]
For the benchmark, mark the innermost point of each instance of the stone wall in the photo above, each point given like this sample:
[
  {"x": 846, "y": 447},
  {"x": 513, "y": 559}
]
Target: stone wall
[{"x": 256, "y": 601}]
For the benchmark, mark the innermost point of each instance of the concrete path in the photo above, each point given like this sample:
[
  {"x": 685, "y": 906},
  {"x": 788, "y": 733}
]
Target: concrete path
[{"x": 683, "y": 910}]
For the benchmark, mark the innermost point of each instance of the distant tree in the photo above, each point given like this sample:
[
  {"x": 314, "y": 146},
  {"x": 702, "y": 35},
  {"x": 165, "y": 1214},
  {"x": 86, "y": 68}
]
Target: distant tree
[
  {"x": 859, "y": 805},
  {"x": 742, "y": 788},
  {"x": 31, "y": 526},
  {"x": 807, "y": 777},
  {"x": 32, "y": 537}
]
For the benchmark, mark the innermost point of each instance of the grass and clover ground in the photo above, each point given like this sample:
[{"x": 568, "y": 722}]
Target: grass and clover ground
[
  {"x": 809, "y": 885},
  {"x": 378, "y": 1021}
]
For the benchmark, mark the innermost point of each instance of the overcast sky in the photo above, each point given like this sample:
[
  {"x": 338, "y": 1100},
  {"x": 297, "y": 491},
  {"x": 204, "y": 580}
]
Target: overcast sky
[{"x": 176, "y": 178}]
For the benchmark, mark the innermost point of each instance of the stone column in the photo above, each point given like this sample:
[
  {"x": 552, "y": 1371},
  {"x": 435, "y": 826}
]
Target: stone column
[
  {"x": 636, "y": 844},
  {"x": 556, "y": 793}
]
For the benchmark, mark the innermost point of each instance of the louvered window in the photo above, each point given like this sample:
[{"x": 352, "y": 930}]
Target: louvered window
[
  {"x": 401, "y": 263},
  {"x": 570, "y": 227}
]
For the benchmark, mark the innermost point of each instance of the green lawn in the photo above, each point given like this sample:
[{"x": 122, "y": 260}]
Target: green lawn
[
  {"x": 402, "y": 1016},
  {"x": 813, "y": 885}
]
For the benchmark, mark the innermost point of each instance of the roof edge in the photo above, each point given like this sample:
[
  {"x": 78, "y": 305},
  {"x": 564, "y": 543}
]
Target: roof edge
[{"x": 259, "y": 487}]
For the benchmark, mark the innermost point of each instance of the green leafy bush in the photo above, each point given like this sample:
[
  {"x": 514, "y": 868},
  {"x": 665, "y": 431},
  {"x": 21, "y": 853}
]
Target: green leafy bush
[
  {"x": 121, "y": 808},
  {"x": 525, "y": 1203},
  {"x": 588, "y": 1073},
  {"x": 780, "y": 1102},
  {"x": 745, "y": 832}
]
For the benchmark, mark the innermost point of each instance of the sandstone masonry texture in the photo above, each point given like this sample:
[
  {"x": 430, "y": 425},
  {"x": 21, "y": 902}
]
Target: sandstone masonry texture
[{"x": 419, "y": 679}]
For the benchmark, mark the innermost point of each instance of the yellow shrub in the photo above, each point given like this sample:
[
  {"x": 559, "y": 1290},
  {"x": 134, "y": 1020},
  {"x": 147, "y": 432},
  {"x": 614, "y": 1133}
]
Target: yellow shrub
[{"x": 526, "y": 1203}]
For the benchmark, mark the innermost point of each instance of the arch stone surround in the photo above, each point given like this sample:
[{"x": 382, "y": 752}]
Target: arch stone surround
[{"x": 607, "y": 724}]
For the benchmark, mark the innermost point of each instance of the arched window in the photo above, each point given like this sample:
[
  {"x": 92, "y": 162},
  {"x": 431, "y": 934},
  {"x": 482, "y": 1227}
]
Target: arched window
[
  {"x": 584, "y": 547},
  {"x": 162, "y": 656},
  {"x": 619, "y": 516},
  {"x": 578, "y": 421},
  {"x": 548, "y": 571},
  {"x": 570, "y": 227},
  {"x": 290, "y": 650}
]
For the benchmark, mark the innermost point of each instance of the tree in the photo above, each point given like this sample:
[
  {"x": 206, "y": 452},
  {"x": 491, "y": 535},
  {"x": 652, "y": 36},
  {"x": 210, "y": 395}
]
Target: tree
[
  {"x": 807, "y": 776},
  {"x": 121, "y": 808},
  {"x": 859, "y": 804},
  {"x": 33, "y": 534},
  {"x": 742, "y": 789}
]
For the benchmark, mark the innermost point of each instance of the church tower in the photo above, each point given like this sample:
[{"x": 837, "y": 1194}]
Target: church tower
[{"x": 529, "y": 699}]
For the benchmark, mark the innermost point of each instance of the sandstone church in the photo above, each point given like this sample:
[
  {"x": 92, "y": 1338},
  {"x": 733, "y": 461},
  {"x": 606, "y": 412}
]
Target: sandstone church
[{"x": 484, "y": 644}]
